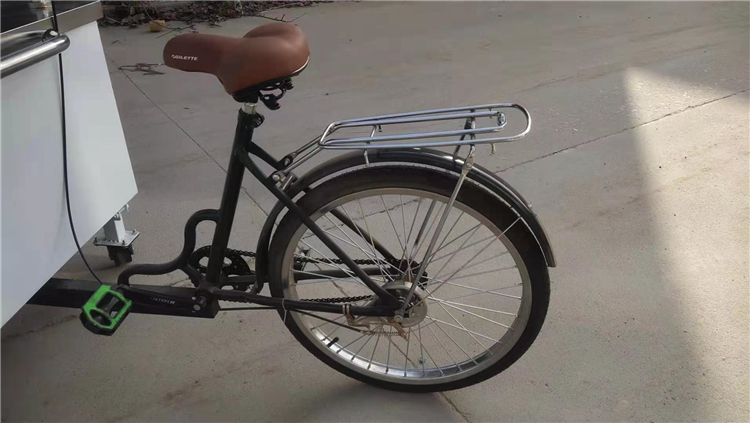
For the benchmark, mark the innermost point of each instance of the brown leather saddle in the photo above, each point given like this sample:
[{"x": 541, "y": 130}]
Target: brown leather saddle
[{"x": 264, "y": 59}]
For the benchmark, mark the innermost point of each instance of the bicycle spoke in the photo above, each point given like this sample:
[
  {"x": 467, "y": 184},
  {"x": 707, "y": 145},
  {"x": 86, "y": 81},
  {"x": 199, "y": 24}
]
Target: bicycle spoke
[
  {"x": 408, "y": 336},
  {"x": 438, "y": 300},
  {"x": 470, "y": 260},
  {"x": 500, "y": 294},
  {"x": 486, "y": 291},
  {"x": 444, "y": 238},
  {"x": 367, "y": 227},
  {"x": 454, "y": 240},
  {"x": 442, "y": 345},
  {"x": 423, "y": 348},
  {"x": 466, "y": 246},
  {"x": 362, "y": 236},
  {"x": 406, "y": 359},
  {"x": 354, "y": 243},
  {"x": 483, "y": 272},
  {"x": 388, "y": 357},
  {"x": 437, "y": 274},
  {"x": 411, "y": 229},
  {"x": 333, "y": 283},
  {"x": 348, "y": 272},
  {"x": 373, "y": 351},
  {"x": 327, "y": 278},
  {"x": 457, "y": 344},
  {"x": 464, "y": 327},
  {"x": 313, "y": 315},
  {"x": 454, "y": 254},
  {"x": 372, "y": 255},
  {"x": 415, "y": 253},
  {"x": 337, "y": 286},
  {"x": 475, "y": 315},
  {"x": 421, "y": 231},
  {"x": 339, "y": 350},
  {"x": 374, "y": 258},
  {"x": 360, "y": 348},
  {"x": 354, "y": 280},
  {"x": 403, "y": 223},
  {"x": 368, "y": 254},
  {"x": 488, "y": 259},
  {"x": 395, "y": 232},
  {"x": 328, "y": 336},
  {"x": 327, "y": 323},
  {"x": 459, "y": 328}
]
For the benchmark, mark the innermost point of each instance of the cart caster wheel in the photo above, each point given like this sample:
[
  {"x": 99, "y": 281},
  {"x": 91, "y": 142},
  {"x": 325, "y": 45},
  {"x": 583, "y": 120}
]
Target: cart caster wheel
[{"x": 120, "y": 255}]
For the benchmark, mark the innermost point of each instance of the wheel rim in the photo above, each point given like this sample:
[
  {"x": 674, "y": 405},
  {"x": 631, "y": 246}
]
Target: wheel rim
[{"x": 454, "y": 341}]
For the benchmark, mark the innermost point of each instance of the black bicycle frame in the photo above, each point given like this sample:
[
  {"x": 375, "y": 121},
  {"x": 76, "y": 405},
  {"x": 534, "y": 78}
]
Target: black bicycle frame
[
  {"x": 240, "y": 160},
  {"x": 203, "y": 301},
  {"x": 241, "y": 150}
]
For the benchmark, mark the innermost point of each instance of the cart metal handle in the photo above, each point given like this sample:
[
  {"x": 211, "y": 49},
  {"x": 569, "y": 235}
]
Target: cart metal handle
[{"x": 50, "y": 44}]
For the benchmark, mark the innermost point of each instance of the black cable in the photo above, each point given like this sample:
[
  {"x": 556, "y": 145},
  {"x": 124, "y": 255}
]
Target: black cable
[{"x": 65, "y": 155}]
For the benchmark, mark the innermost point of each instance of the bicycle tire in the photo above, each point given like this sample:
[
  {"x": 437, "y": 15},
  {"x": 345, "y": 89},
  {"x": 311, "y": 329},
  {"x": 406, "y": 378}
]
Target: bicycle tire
[{"x": 429, "y": 181}]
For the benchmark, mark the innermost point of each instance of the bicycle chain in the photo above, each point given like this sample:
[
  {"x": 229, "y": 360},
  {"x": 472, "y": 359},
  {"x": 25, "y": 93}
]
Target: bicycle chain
[
  {"x": 322, "y": 300},
  {"x": 301, "y": 259},
  {"x": 304, "y": 259}
]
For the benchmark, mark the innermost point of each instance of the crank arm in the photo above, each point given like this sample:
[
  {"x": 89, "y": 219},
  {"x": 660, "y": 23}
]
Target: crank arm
[
  {"x": 150, "y": 301},
  {"x": 145, "y": 299}
]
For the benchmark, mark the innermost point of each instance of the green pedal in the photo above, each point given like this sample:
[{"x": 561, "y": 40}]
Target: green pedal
[{"x": 105, "y": 310}]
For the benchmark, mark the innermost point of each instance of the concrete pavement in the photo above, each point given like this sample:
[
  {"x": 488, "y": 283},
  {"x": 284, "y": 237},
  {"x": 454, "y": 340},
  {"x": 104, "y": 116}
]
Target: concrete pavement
[{"x": 637, "y": 165}]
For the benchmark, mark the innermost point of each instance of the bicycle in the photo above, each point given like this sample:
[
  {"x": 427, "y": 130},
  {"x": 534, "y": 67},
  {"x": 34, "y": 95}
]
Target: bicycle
[{"x": 382, "y": 262}]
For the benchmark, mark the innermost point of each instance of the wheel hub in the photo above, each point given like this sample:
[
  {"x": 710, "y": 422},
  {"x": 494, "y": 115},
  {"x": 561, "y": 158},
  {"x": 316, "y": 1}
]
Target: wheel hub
[
  {"x": 416, "y": 310},
  {"x": 402, "y": 268}
]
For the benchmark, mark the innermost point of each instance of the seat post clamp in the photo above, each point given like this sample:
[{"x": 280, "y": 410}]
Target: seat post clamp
[{"x": 249, "y": 108}]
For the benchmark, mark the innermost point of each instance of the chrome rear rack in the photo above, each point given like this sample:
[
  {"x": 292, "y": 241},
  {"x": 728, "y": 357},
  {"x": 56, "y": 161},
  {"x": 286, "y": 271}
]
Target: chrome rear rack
[{"x": 470, "y": 134}]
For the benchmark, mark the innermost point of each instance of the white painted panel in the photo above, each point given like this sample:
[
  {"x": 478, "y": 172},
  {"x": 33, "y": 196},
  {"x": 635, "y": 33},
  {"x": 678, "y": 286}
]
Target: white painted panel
[{"x": 36, "y": 238}]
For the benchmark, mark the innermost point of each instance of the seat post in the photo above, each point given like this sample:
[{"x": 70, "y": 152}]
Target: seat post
[{"x": 246, "y": 123}]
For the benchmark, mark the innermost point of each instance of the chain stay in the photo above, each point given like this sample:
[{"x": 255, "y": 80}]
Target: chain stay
[
  {"x": 299, "y": 259},
  {"x": 305, "y": 259}
]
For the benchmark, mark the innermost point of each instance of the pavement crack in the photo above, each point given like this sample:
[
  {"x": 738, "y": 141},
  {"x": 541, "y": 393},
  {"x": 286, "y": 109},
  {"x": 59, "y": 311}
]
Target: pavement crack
[
  {"x": 450, "y": 402},
  {"x": 676, "y": 112},
  {"x": 51, "y": 324}
]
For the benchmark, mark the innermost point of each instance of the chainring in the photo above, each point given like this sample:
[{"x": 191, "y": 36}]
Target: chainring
[{"x": 236, "y": 266}]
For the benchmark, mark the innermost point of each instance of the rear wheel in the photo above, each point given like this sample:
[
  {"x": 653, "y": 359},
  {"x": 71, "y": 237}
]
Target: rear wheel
[{"x": 478, "y": 307}]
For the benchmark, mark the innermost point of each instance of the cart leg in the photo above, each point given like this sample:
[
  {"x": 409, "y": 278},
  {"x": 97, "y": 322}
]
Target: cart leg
[{"x": 117, "y": 239}]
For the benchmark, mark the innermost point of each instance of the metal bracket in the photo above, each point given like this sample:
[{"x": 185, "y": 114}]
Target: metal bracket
[
  {"x": 468, "y": 164},
  {"x": 115, "y": 234}
]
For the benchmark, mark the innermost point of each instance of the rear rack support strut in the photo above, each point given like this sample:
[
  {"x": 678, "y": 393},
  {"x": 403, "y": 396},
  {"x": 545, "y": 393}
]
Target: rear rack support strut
[{"x": 468, "y": 164}]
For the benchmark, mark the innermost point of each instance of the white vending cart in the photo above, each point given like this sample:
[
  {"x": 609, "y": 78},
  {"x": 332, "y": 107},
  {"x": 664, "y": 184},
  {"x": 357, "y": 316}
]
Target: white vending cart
[{"x": 35, "y": 235}]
